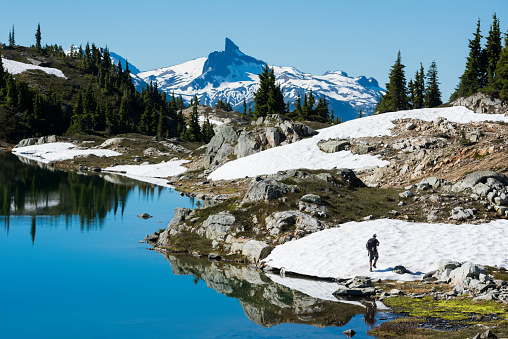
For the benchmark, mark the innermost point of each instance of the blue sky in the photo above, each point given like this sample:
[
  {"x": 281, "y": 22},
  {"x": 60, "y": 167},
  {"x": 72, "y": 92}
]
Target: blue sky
[{"x": 358, "y": 37}]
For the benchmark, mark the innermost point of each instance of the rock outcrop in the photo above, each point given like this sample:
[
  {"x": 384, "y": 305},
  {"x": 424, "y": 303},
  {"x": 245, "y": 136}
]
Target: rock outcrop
[
  {"x": 482, "y": 103},
  {"x": 266, "y": 189},
  {"x": 271, "y": 131}
]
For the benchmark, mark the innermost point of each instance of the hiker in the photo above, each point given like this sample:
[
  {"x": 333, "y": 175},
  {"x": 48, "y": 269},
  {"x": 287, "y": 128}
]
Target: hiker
[{"x": 372, "y": 245}]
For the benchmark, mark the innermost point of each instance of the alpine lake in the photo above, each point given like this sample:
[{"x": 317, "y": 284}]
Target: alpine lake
[{"x": 73, "y": 266}]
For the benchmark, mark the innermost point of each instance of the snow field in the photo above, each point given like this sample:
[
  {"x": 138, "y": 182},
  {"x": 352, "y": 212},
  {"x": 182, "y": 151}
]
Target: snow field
[
  {"x": 340, "y": 252},
  {"x": 59, "y": 151},
  {"x": 15, "y": 67},
  {"x": 306, "y": 153}
]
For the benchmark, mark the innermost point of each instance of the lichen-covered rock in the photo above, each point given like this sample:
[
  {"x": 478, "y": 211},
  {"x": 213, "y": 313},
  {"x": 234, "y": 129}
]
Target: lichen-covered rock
[
  {"x": 246, "y": 145},
  {"x": 266, "y": 189},
  {"x": 217, "y": 226},
  {"x": 280, "y": 221},
  {"x": 220, "y": 144}
]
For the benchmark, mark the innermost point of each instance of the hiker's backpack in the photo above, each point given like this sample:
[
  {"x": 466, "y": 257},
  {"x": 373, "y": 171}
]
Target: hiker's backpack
[{"x": 371, "y": 244}]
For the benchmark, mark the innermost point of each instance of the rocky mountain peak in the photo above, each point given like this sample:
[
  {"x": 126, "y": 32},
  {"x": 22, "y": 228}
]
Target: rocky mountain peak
[{"x": 231, "y": 47}]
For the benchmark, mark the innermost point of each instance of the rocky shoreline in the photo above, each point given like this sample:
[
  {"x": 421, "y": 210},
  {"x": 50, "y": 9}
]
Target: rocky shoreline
[{"x": 432, "y": 176}]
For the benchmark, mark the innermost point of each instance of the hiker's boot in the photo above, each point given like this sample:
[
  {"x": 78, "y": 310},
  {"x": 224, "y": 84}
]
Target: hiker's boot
[
  {"x": 374, "y": 265},
  {"x": 370, "y": 269}
]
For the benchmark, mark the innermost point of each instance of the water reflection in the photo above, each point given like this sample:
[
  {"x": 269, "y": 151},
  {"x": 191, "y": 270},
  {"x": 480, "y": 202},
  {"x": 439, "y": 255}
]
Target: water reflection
[
  {"x": 264, "y": 301},
  {"x": 39, "y": 191}
]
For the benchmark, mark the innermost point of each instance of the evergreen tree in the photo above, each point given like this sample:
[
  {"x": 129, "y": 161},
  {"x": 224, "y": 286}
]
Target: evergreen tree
[
  {"x": 207, "y": 131},
  {"x": 492, "y": 51},
  {"x": 419, "y": 88},
  {"x": 194, "y": 131},
  {"x": 321, "y": 112},
  {"x": 432, "y": 92},
  {"x": 38, "y": 37},
  {"x": 500, "y": 80},
  {"x": 411, "y": 93},
  {"x": 244, "y": 107},
  {"x": 269, "y": 98},
  {"x": 470, "y": 80},
  {"x": 298, "y": 112},
  {"x": 395, "y": 98},
  {"x": 12, "y": 40}
]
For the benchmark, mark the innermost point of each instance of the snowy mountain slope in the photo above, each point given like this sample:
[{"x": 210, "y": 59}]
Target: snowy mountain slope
[{"x": 232, "y": 76}]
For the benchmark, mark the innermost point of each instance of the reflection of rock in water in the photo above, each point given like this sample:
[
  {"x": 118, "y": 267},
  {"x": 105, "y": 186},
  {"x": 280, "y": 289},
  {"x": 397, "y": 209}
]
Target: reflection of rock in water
[{"x": 264, "y": 302}]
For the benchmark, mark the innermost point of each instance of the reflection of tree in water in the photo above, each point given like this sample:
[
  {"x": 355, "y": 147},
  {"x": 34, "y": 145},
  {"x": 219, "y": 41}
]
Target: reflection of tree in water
[
  {"x": 264, "y": 302},
  {"x": 41, "y": 192}
]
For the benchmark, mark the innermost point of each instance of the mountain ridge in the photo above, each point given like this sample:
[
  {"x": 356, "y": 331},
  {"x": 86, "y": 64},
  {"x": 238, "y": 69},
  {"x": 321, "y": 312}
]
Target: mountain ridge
[{"x": 232, "y": 76}]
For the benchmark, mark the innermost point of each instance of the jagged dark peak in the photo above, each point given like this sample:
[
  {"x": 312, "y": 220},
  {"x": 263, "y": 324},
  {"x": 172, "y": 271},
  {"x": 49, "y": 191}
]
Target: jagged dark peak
[{"x": 231, "y": 46}]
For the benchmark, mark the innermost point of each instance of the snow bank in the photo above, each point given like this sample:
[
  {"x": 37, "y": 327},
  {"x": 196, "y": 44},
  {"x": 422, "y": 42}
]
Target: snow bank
[
  {"x": 306, "y": 153},
  {"x": 59, "y": 151},
  {"x": 15, "y": 67},
  {"x": 340, "y": 252},
  {"x": 149, "y": 172}
]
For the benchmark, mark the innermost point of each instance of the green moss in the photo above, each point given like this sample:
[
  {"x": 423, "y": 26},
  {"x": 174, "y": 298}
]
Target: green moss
[{"x": 455, "y": 309}]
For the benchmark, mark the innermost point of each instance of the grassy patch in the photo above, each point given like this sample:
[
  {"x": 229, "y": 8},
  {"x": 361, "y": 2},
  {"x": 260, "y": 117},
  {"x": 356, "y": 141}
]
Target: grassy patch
[
  {"x": 190, "y": 242},
  {"x": 456, "y": 309},
  {"x": 411, "y": 328},
  {"x": 497, "y": 273}
]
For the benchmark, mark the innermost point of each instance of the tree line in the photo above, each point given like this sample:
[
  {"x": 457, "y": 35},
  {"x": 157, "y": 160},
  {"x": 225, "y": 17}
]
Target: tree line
[
  {"x": 486, "y": 67},
  {"x": 422, "y": 91},
  {"x": 109, "y": 103}
]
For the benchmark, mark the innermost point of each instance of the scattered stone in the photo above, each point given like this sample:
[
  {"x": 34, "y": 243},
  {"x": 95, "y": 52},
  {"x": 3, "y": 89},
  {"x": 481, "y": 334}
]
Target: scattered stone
[
  {"x": 399, "y": 269},
  {"x": 406, "y": 194},
  {"x": 214, "y": 256},
  {"x": 144, "y": 216},
  {"x": 311, "y": 198},
  {"x": 152, "y": 237},
  {"x": 460, "y": 213},
  {"x": 349, "y": 333}
]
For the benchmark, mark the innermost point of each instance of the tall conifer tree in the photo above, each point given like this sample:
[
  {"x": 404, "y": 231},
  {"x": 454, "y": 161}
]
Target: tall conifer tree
[
  {"x": 470, "y": 80},
  {"x": 38, "y": 37},
  {"x": 500, "y": 81},
  {"x": 492, "y": 51},
  {"x": 395, "y": 98},
  {"x": 432, "y": 92}
]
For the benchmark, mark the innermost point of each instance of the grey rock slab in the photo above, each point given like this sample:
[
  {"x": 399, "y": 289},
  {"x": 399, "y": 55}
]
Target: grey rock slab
[{"x": 311, "y": 198}]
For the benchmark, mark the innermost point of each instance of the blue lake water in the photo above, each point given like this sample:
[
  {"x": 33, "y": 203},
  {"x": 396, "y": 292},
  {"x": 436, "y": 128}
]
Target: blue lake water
[{"x": 71, "y": 266}]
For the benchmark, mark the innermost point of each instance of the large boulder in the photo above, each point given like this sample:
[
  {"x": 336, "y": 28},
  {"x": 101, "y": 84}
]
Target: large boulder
[
  {"x": 281, "y": 221},
  {"x": 480, "y": 177},
  {"x": 246, "y": 145},
  {"x": 348, "y": 177},
  {"x": 256, "y": 250},
  {"x": 217, "y": 226},
  {"x": 27, "y": 142},
  {"x": 468, "y": 270},
  {"x": 221, "y": 142},
  {"x": 332, "y": 146},
  {"x": 274, "y": 136},
  {"x": 266, "y": 189}
]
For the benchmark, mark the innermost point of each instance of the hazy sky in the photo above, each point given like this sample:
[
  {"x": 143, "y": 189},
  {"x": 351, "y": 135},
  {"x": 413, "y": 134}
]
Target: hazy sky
[{"x": 358, "y": 37}]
